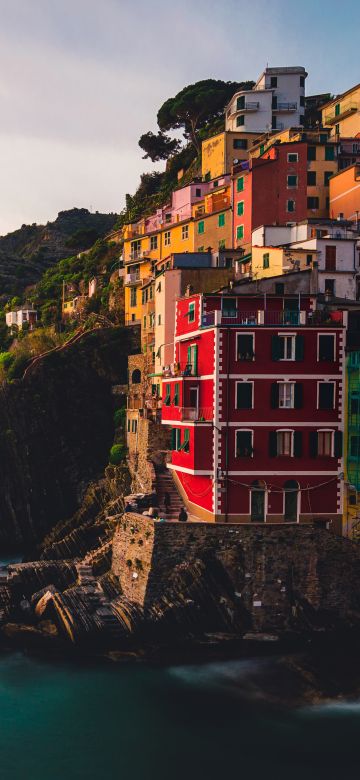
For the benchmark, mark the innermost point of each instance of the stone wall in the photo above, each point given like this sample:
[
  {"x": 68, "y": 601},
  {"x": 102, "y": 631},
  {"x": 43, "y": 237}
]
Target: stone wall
[{"x": 273, "y": 578}]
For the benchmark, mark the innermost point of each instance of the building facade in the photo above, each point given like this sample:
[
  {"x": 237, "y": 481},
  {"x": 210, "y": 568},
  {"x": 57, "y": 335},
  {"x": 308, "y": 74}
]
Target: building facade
[{"x": 277, "y": 101}]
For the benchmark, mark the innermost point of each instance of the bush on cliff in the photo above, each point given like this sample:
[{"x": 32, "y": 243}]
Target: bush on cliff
[
  {"x": 119, "y": 417},
  {"x": 117, "y": 454}
]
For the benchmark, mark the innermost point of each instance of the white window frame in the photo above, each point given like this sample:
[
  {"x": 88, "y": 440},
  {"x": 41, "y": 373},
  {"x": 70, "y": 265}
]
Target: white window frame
[
  {"x": 167, "y": 238},
  {"x": 325, "y": 382},
  {"x": 318, "y": 346},
  {"x": 293, "y": 348},
  {"x": 282, "y": 385},
  {"x": 246, "y": 382},
  {"x": 293, "y": 154},
  {"x": 244, "y": 333},
  {"x": 185, "y": 232},
  {"x": 285, "y": 430},
  {"x": 332, "y": 432},
  {"x": 244, "y": 430}
]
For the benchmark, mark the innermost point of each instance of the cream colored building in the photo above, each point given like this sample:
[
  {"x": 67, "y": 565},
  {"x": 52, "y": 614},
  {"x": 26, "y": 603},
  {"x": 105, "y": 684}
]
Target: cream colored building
[{"x": 342, "y": 114}]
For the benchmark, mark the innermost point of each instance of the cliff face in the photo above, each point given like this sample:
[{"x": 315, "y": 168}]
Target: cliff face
[{"x": 56, "y": 429}]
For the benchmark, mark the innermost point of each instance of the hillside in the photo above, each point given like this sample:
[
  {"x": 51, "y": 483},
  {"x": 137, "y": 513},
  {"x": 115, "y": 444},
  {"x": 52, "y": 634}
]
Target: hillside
[{"x": 28, "y": 252}]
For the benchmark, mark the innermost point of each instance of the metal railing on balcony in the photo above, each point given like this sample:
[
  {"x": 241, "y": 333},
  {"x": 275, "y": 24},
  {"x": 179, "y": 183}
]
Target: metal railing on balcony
[
  {"x": 345, "y": 110},
  {"x": 180, "y": 369},
  {"x": 285, "y": 107},
  {"x": 132, "y": 278},
  {"x": 196, "y": 414},
  {"x": 248, "y": 106},
  {"x": 283, "y": 318}
]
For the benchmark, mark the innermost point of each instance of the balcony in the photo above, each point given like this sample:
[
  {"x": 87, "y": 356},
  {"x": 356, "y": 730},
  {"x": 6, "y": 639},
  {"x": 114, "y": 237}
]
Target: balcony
[
  {"x": 345, "y": 110},
  {"x": 282, "y": 108},
  {"x": 248, "y": 107},
  {"x": 180, "y": 369},
  {"x": 196, "y": 414},
  {"x": 283, "y": 318},
  {"x": 132, "y": 278}
]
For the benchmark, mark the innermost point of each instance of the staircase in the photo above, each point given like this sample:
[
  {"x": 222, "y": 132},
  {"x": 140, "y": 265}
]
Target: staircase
[{"x": 165, "y": 484}]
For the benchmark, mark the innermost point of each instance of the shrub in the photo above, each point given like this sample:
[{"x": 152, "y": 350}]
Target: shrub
[
  {"x": 6, "y": 358},
  {"x": 117, "y": 454},
  {"x": 119, "y": 417}
]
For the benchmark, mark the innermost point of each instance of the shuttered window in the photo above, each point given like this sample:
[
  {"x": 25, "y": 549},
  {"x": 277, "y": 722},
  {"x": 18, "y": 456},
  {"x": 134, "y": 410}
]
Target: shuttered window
[
  {"x": 326, "y": 395},
  {"x": 244, "y": 395},
  {"x": 245, "y": 346},
  {"x": 326, "y": 348},
  {"x": 243, "y": 447}
]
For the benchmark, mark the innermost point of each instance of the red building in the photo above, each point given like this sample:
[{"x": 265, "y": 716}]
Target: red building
[{"x": 254, "y": 400}]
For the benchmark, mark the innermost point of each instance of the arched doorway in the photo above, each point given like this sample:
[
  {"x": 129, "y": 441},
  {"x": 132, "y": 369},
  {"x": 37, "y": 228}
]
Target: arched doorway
[
  {"x": 291, "y": 501},
  {"x": 136, "y": 377},
  {"x": 257, "y": 495}
]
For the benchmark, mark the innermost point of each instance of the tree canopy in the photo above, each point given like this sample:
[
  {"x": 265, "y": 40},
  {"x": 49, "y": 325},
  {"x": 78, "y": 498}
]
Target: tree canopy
[
  {"x": 196, "y": 105},
  {"x": 158, "y": 147}
]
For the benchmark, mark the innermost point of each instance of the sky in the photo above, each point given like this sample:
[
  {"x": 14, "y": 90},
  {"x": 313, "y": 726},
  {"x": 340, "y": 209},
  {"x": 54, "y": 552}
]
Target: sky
[{"x": 81, "y": 80}]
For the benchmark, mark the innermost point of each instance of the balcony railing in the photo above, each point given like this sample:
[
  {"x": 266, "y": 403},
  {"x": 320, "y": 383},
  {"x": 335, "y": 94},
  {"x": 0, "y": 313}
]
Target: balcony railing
[
  {"x": 196, "y": 414},
  {"x": 132, "y": 278},
  {"x": 283, "y": 318},
  {"x": 248, "y": 106},
  {"x": 285, "y": 107},
  {"x": 345, "y": 110},
  {"x": 180, "y": 369}
]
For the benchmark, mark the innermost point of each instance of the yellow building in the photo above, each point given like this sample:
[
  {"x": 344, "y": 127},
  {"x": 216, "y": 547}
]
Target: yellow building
[
  {"x": 342, "y": 114},
  {"x": 276, "y": 260},
  {"x": 219, "y": 152}
]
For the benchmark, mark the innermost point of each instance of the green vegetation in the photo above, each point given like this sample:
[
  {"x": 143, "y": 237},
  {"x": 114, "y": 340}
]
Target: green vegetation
[
  {"x": 119, "y": 416},
  {"x": 117, "y": 454}
]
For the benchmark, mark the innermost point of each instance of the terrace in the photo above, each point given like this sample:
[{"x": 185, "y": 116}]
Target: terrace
[{"x": 267, "y": 318}]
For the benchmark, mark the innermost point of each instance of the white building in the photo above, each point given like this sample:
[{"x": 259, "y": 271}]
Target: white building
[
  {"x": 275, "y": 103},
  {"x": 19, "y": 316}
]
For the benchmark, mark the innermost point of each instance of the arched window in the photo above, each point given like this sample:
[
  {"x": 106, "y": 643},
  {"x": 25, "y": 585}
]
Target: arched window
[
  {"x": 258, "y": 492},
  {"x": 291, "y": 501},
  {"x": 136, "y": 377}
]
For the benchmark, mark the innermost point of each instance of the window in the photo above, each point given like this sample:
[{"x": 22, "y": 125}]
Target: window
[
  {"x": 191, "y": 312},
  {"x": 266, "y": 260},
  {"x": 311, "y": 178},
  {"x": 292, "y": 181},
  {"x": 240, "y": 184},
  {"x": 302, "y": 81},
  {"x": 293, "y": 157},
  {"x": 240, "y": 208},
  {"x": 243, "y": 444},
  {"x": 133, "y": 426},
  {"x": 222, "y": 243},
  {"x": 273, "y": 122},
  {"x": 221, "y": 220},
  {"x": 326, "y": 348},
  {"x": 240, "y": 120},
  {"x": 329, "y": 286},
  {"x": 133, "y": 296},
  {"x": 240, "y": 103},
  {"x": 274, "y": 102},
  {"x": 337, "y": 129},
  {"x": 128, "y": 426},
  {"x": 167, "y": 238},
  {"x": 192, "y": 359},
  {"x": 167, "y": 395},
  {"x": 244, "y": 395},
  {"x": 185, "y": 232},
  {"x": 290, "y": 207},
  {"x": 240, "y": 232},
  {"x": 354, "y": 446},
  {"x": 198, "y": 192},
  {"x": 279, "y": 288},
  {"x": 308, "y": 260},
  {"x": 286, "y": 395},
  {"x": 327, "y": 175},
  {"x": 228, "y": 307},
  {"x": 273, "y": 82},
  {"x": 291, "y": 496},
  {"x": 330, "y": 257},
  {"x": 326, "y": 395},
  {"x": 153, "y": 243},
  {"x": 302, "y": 119},
  {"x": 185, "y": 447},
  {"x": 201, "y": 227},
  {"x": 329, "y": 153},
  {"x": 324, "y": 443},
  {"x": 313, "y": 203},
  {"x": 240, "y": 143},
  {"x": 176, "y": 394},
  {"x": 245, "y": 346},
  {"x": 302, "y": 100},
  {"x": 287, "y": 347},
  {"x": 200, "y": 248},
  {"x": 144, "y": 322},
  {"x": 215, "y": 184},
  {"x": 311, "y": 153},
  {"x": 159, "y": 319},
  {"x": 284, "y": 443},
  {"x": 151, "y": 292}
]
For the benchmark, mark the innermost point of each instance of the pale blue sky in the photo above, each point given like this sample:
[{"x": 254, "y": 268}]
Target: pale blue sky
[{"x": 81, "y": 80}]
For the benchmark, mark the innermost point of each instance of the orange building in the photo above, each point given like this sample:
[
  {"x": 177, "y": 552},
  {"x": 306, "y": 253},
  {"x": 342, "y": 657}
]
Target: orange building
[{"x": 345, "y": 193}]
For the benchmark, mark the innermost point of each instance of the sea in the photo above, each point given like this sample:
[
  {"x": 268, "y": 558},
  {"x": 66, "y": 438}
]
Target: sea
[{"x": 138, "y": 721}]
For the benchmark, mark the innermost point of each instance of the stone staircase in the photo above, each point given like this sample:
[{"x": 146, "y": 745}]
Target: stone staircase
[{"x": 165, "y": 484}]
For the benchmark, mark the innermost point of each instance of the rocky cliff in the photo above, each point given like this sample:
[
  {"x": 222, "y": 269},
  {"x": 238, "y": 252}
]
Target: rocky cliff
[{"x": 56, "y": 430}]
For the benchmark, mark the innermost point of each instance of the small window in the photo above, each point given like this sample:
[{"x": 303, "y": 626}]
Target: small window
[
  {"x": 329, "y": 153},
  {"x": 240, "y": 232},
  {"x": 286, "y": 347},
  {"x": 329, "y": 286},
  {"x": 167, "y": 395},
  {"x": 222, "y": 243},
  {"x": 337, "y": 129},
  {"x": 274, "y": 102},
  {"x": 221, "y": 220},
  {"x": 201, "y": 227},
  {"x": 153, "y": 243},
  {"x": 293, "y": 157},
  {"x": 144, "y": 323},
  {"x": 240, "y": 184},
  {"x": 327, "y": 175},
  {"x": 290, "y": 207},
  {"x": 198, "y": 192},
  {"x": 279, "y": 288},
  {"x": 273, "y": 122},
  {"x": 185, "y": 232},
  {"x": 273, "y": 82},
  {"x": 302, "y": 100},
  {"x": 245, "y": 346},
  {"x": 133, "y": 296},
  {"x": 308, "y": 260},
  {"x": 167, "y": 238},
  {"x": 326, "y": 392},
  {"x": 292, "y": 181},
  {"x": 215, "y": 184},
  {"x": 240, "y": 103},
  {"x": 191, "y": 312},
  {"x": 286, "y": 395},
  {"x": 325, "y": 443},
  {"x": 244, "y": 395},
  {"x": 266, "y": 260},
  {"x": 240, "y": 208},
  {"x": 284, "y": 443},
  {"x": 240, "y": 120},
  {"x": 128, "y": 426},
  {"x": 313, "y": 203},
  {"x": 326, "y": 348},
  {"x": 302, "y": 81},
  {"x": 243, "y": 444},
  {"x": 311, "y": 178},
  {"x": 228, "y": 307},
  {"x": 240, "y": 143},
  {"x": 311, "y": 153},
  {"x": 159, "y": 319}
]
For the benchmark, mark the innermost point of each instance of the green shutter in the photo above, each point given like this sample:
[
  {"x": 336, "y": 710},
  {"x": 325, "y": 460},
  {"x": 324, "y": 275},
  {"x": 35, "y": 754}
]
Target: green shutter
[
  {"x": 297, "y": 444},
  {"x": 195, "y": 360},
  {"x": 186, "y": 444},
  {"x": 338, "y": 444},
  {"x": 313, "y": 443},
  {"x": 274, "y": 396},
  {"x": 298, "y": 395},
  {"x": 240, "y": 208},
  {"x": 173, "y": 439},
  {"x": 276, "y": 347},
  {"x": 240, "y": 184},
  {"x": 201, "y": 227},
  {"x": 299, "y": 348},
  {"x": 272, "y": 444},
  {"x": 221, "y": 220}
]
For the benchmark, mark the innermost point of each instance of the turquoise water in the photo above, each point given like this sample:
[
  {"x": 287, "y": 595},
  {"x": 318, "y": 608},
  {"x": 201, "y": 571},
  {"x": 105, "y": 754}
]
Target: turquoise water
[{"x": 62, "y": 722}]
